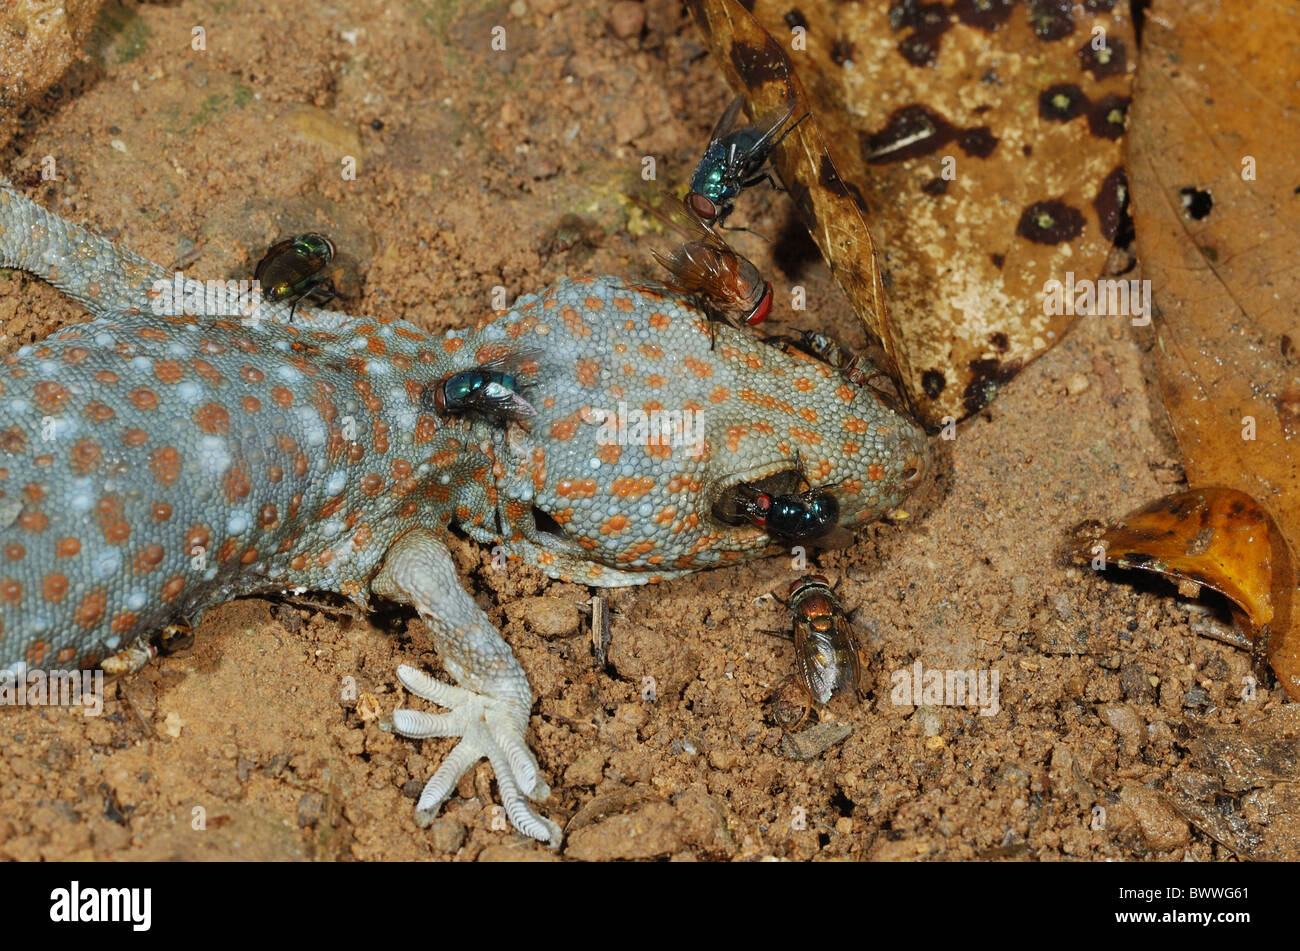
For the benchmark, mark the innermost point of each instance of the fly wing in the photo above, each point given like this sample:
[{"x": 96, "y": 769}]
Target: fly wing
[
  {"x": 501, "y": 402},
  {"x": 674, "y": 214},
  {"x": 728, "y": 120},
  {"x": 851, "y": 672},
  {"x": 525, "y": 362}
]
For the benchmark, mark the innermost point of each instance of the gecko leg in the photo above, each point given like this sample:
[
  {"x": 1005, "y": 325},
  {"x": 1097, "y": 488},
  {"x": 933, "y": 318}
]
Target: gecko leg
[{"x": 489, "y": 709}]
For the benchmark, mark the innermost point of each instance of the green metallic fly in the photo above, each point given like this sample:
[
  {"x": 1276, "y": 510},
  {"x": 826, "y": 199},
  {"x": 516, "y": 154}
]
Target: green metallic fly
[{"x": 292, "y": 269}]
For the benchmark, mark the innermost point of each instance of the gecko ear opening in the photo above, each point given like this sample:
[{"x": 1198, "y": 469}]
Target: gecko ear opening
[{"x": 545, "y": 524}]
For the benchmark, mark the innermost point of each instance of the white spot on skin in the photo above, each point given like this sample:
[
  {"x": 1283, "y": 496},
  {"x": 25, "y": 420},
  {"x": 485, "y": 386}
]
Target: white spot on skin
[
  {"x": 142, "y": 364},
  {"x": 48, "y": 368},
  {"x": 336, "y": 483},
  {"x": 136, "y": 600},
  {"x": 189, "y": 392},
  {"x": 289, "y": 374},
  {"x": 108, "y": 563},
  {"x": 103, "y": 340},
  {"x": 594, "y": 464},
  {"x": 19, "y": 407},
  {"x": 314, "y": 432},
  {"x": 213, "y": 457},
  {"x": 238, "y": 523},
  {"x": 332, "y": 528}
]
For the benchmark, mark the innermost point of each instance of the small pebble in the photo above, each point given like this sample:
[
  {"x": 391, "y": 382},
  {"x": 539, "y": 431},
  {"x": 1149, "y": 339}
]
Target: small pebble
[
  {"x": 626, "y": 18},
  {"x": 1076, "y": 384},
  {"x": 630, "y": 124},
  {"x": 519, "y": 9}
]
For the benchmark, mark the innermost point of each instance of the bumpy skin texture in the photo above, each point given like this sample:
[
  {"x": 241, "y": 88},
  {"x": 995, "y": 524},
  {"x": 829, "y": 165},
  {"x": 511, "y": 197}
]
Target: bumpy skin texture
[{"x": 152, "y": 466}]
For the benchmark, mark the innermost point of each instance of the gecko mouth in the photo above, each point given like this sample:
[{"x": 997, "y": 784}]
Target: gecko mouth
[{"x": 731, "y": 494}]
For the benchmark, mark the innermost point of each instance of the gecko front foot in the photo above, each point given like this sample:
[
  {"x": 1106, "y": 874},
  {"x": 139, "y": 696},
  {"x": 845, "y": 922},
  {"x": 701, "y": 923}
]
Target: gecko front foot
[{"x": 488, "y": 727}]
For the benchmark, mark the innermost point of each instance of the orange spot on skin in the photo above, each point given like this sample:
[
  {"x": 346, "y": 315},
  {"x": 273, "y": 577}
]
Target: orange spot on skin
[
  {"x": 573, "y": 322},
  {"x": 168, "y": 371},
  {"x": 236, "y": 484},
  {"x": 97, "y": 412},
  {"x": 107, "y": 377},
  {"x": 594, "y": 303},
  {"x": 809, "y": 414},
  {"x": 212, "y": 418},
  {"x": 614, "y": 525},
  {"x": 13, "y": 441},
  {"x": 123, "y": 621},
  {"x": 50, "y": 396},
  {"x": 15, "y": 551},
  {"x": 587, "y": 371},
  {"x": 54, "y": 587},
  {"x": 855, "y": 425},
  {"x": 631, "y": 488},
  {"x": 698, "y": 367},
  {"x": 11, "y": 591},
  {"x": 660, "y": 321},
  {"x": 165, "y": 464},
  {"x": 135, "y": 437},
  {"x": 251, "y": 404},
  {"x": 282, "y": 396},
  {"x": 655, "y": 381},
  {"x": 149, "y": 559},
  {"x": 624, "y": 304},
  {"x": 576, "y": 489},
  {"x": 651, "y": 352},
  {"x": 720, "y": 394},
  {"x": 112, "y": 523},
  {"x": 845, "y": 392},
  {"x": 174, "y": 586},
  {"x": 161, "y": 511},
  {"x": 143, "y": 398},
  {"x": 609, "y": 453},
  {"x": 85, "y": 456},
  {"x": 91, "y": 609},
  {"x": 875, "y": 472}
]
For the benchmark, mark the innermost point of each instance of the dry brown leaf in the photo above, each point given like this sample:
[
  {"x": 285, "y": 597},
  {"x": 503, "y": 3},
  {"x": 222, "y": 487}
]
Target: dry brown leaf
[
  {"x": 756, "y": 64},
  {"x": 1214, "y": 179},
  {"x": 1222, "y": 539},
  {"x": 1031, "y": 116}
]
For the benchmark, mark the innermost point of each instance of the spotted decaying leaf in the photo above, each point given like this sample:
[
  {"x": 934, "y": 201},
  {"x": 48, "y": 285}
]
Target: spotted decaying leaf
[
  {"x": 1214, "y": 202},
  {"x": 986, "y": 139},
  {"x": 1220, "y": 538},
  {"x": 832, "y": 209}
]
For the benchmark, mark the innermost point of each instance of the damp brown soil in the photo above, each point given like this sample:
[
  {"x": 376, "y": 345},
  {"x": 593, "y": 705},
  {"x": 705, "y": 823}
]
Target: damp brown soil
[{"x": 478, "y": 168}]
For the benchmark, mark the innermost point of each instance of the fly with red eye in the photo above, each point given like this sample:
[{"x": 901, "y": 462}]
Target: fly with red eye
[{"x": 703, "y": 266}]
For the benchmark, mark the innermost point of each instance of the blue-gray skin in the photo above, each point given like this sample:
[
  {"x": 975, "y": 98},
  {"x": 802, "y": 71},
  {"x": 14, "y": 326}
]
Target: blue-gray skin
[{"x": 154, "y": 466}]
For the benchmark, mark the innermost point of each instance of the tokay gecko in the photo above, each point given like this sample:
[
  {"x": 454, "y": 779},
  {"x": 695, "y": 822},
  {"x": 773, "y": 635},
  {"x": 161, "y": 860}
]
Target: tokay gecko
[{"x": 155, "y": 464}]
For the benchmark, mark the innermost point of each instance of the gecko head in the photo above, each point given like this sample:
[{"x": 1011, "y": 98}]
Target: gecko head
[{"x": 642, "y": 472}]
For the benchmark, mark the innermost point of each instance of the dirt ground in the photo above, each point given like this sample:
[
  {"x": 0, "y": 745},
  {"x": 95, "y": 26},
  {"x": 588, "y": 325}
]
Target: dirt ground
[{"x": 479, "y": 168}]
